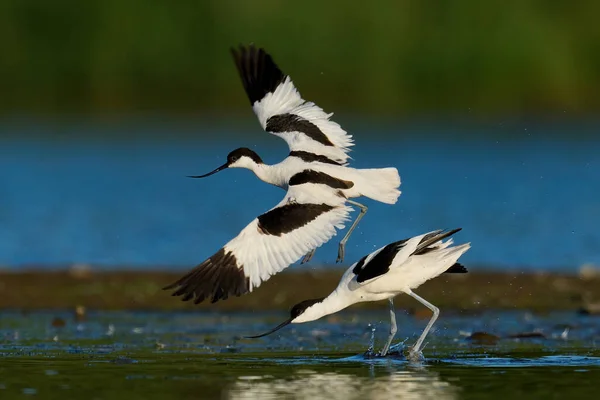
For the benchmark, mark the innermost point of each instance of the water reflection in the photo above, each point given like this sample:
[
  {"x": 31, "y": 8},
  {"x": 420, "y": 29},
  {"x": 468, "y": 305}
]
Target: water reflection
[{"x": 309, "y": 384}]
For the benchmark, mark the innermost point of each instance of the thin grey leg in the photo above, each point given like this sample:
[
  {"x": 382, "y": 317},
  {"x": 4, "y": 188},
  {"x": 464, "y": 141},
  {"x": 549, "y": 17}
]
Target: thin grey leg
[
  {"x": 393, "y": 329},
  {"x": 342, "y": 247},
  {"x": 308, "y": 256},
  {"x": 415, "y": 351}
]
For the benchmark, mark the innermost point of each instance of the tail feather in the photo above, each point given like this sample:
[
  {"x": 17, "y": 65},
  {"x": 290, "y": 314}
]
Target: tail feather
[
  {"x": 436, "y": 262},
  {"x": 381, "y": 184},
  {"x": 447, "y": 259},
  {"x": 456, "y": 268}
]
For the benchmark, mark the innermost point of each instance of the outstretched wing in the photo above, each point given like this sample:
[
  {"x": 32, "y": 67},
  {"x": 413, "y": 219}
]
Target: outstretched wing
[
  {"x": 306, "y": 218},
  {"x": 282, "y": 111}
]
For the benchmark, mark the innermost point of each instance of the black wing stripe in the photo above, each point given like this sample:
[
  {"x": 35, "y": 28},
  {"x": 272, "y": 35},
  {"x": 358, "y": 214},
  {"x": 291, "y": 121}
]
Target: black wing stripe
[
  {"x": 317, "y": 177},
  {"x": 289, "y": 217},
  {"x": 293, "y": 123},
  {"x": 380, "y": 264},
  {"x": 359, "y": 265},
  {"x": 311, "y": 157}
]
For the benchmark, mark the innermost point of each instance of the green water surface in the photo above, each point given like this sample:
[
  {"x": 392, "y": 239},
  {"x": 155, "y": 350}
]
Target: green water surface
[
  {"x": 291, "y": 375},
  {"x": 137, "y": 355}
]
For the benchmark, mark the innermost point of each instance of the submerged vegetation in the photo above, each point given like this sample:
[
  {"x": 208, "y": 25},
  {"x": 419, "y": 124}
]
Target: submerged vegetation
[{"x": 390, "y": 57}]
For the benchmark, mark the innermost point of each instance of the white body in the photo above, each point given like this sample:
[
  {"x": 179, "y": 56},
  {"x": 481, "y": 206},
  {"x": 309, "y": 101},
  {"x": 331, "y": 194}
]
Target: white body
[
  {"x": 380, "y": 184},
  {"x": 265, "y": 255},
  {"x": 405, "y": 273},
  {"x": 311, "y": 211}
]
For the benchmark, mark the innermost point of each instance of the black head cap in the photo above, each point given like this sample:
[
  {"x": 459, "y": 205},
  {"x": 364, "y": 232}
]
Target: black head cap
[
  {"x": 231, "y": 158},
  {"x": 241, "y": 152},
  {"x": 299, "y": 308}
]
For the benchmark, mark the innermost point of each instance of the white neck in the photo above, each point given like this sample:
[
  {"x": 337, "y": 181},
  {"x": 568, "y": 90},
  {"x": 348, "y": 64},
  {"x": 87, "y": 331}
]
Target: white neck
[
  {"x": 333, "y": 303},
  {"x": 269, "y": 174}
]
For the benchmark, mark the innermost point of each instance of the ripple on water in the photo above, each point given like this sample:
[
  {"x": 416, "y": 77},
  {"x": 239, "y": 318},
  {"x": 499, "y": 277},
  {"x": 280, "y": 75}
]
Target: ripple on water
[
  {"x": 199, "y": 333},
  {"x": 543, "y": 361}
]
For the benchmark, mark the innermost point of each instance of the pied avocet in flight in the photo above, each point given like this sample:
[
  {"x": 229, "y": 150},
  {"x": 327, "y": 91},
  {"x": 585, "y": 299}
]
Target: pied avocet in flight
[
  {"x": 396, "y": 268},
  {"x": 318, "y": 146},
  {"x": 306, "y": 218},
  {"x": 315, "y": 176}
]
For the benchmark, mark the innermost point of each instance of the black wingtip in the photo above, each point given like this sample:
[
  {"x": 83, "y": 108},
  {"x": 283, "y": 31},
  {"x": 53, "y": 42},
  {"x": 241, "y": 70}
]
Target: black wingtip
[
  {"x": 431, "y": 239},
  {"x": 451, "y": 232},
  {"x": 436, "y": 237},
  {"x": 215, "y": 279},
  {"x": 457, "y": 268},
  {"x": 259, "y": 73}
]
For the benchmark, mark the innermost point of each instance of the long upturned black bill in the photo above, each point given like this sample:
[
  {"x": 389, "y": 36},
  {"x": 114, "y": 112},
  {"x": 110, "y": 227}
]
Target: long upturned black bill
[
  {"x": 221, "y": 168},
  {"x": 278, "y": 327}
]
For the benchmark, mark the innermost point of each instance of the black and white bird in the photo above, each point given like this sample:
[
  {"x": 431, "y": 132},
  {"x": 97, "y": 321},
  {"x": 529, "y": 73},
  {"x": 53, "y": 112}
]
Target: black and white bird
[
  {"x": 306, "y": 218},
  {"x": 316, "y": 178},
  {"x": 318, "y": 146},
  {"x": 396, "y": 268}
]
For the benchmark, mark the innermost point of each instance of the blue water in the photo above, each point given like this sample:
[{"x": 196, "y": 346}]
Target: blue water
[
  {"x": 531, "y": 202},
  {"x": 353, "y": 331}
]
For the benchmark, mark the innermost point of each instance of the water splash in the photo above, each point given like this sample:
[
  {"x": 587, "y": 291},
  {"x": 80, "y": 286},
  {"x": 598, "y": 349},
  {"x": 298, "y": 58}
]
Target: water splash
[{"x": 371, "y": 349}]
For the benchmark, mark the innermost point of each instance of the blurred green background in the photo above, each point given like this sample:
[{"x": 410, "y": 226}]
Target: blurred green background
[
  {"x": 106, "y": 106},
  {"x": 392, "y": 58}
]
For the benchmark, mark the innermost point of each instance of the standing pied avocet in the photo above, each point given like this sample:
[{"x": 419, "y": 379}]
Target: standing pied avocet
[
  {"x": 396, "y": 268},
  {"x": 318, "y": 145},
  {"x": 306, "y": 218}
]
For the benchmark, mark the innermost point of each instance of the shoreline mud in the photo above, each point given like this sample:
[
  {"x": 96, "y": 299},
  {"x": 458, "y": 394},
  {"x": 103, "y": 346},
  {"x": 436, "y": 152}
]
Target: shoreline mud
[{"x": 142, "y": 290}]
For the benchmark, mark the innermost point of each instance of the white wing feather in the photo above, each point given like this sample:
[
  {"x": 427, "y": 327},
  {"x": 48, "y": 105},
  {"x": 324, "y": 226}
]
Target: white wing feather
[
  {"x": 272, "y": 93},
  {"x": 287, "y": 100},
  {"x": 263, "y": 255}
]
